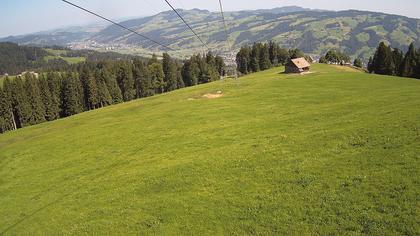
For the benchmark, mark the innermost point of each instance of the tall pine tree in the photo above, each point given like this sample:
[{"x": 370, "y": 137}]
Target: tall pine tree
[
  {"x": 255, "y": 56},
  {"x": 20, "y": 103},
  {"x": 410, "y": 62},
  {"x": 170, "y": 73},
  {"x": 104, "y": 96},
  {"x": 37, "y": 108},
  {"x": 264, "y": 57},
  {"x": 143, "y": 81},
  {"x": 7, "y": 105},
  {"x": 126, "y": 81},
  {"x": 6, "y": 116},
  {"x": 70, "y": 95},
  {"x": 383, "y": 62},
  {"x": 112, "y": 85},
  {"x": 47, "y": 99},
  {"x": 157, "y": 77}
]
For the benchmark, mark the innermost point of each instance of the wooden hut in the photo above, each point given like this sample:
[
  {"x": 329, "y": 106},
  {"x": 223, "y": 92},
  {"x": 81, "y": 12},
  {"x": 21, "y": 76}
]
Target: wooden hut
[{"x": 298, "y": 65}]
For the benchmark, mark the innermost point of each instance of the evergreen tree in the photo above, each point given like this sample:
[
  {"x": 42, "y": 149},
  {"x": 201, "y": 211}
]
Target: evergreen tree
[
  {"x": 70, "y": 95},
  {"x": 166, "y": 61},
  {"x": 7, "y": 105},
  {"x": 170, "y": 73},
  {"x": 323, "y": 60},
  {"x": 157, "y": 77},
  {"x": 208, "y": 72},
  {"x": 211, "y": 66},
  {"x": 243, "y": 60},
  {"x": 112, "y": 85},
  {"x": 273, "y": 51},
  {"x": 264, "y": 57},
  {"x": 47, "y": 99},
  {"x": 80, "y": 90},
  {"x": 6, "y": 116},
  {"x": 383, "y": 62},
  {"x": 370, "y": 65},
  {"x": 255, "y": 55},
  {"x": 104, "y": 97},
  {"x": 336, "y": 57},
  {"x": 54, "y": 86},
  {"x": 283, "y": 56},
  {"x": 190, "y": 72},
  {"x": 126, "y": 82},
  {"x": 179, "y": 79},
  {"x": 358, "y": 63},
  {"x": 4, "y": 112},
  {"x": 92, "y": 93},
  {"x": 153, "y": 60},
  {"x": 220, "y": 65},
  {"x": 296, "y": 53},
  {"x": 210, "y": 59},
  {"x": 20, "y": 103},
  {"x": 417, "y": 68},
  {"x": 37, "y": 108},
  {"x": 410, "y": 62},
  {"x": 211, "y": 74},
  {"x": 143, "y": 81},
  {"x": 397, "y": 57},
  {"x": 95, "y": 91}
]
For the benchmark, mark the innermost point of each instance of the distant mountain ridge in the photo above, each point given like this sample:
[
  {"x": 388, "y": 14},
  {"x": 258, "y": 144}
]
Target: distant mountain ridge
[{"x": 313, "y": 31}]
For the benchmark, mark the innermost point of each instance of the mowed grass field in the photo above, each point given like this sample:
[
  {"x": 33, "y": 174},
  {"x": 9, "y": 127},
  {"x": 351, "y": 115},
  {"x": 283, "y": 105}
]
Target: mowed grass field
[{"x": 332, "y": 152}]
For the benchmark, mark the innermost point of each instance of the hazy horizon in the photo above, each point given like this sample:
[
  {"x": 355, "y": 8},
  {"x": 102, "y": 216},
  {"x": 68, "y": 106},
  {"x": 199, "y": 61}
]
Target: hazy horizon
[{"x": 48, "y": 15}]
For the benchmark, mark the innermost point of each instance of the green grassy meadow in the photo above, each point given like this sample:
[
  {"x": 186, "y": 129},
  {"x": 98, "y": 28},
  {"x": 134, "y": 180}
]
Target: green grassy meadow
[
  {"x": 58, "y": 54},
  {"x": 332, "y": 152}
]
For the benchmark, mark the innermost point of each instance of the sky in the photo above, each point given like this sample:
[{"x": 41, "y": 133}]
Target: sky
[{"x": 28, "y": 16}]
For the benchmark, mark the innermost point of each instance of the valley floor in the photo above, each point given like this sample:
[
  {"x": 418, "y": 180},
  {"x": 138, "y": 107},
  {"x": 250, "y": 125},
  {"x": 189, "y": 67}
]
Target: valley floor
[{"x": 332, "y": 152}]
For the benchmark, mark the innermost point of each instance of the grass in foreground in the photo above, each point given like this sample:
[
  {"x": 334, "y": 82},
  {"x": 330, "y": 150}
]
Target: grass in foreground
[{"x": 333, "y": 152}]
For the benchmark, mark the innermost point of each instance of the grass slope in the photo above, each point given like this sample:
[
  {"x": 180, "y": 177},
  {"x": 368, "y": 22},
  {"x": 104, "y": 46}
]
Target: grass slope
[
  {"x": 330, "y": 152},
  {"x": 58, "y": 54}
]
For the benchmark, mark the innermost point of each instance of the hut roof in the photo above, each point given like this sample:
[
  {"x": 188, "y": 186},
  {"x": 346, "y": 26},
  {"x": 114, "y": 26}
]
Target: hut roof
[{"x": 300, "y": 63}]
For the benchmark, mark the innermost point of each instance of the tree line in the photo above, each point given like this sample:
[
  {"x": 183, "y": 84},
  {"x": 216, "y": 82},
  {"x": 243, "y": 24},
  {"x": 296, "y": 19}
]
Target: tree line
[
  {"x": 338, "y": 57},
  {"x": 392, "y": 61},
  {"x": 29, "y": 100},
  {"x": 14, "y": 58},
  {"x": 335, "y": 57},
  {"x": 263, "y": 56}
]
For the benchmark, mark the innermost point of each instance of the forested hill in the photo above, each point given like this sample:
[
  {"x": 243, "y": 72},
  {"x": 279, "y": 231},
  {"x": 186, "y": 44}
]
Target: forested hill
[
  {"x": 15, "y": 59},
  {"x": 357, "y": 33}
]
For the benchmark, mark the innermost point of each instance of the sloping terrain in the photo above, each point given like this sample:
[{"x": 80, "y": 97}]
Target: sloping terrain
[
  {"x": 314, "y": 31},
  {"x": 355, "y": 32},
  {"x": 332, "y": 152}
]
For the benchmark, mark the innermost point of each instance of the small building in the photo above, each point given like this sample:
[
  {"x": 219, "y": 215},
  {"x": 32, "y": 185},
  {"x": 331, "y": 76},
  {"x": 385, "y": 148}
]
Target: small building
[{"x": 298, "y": 65}]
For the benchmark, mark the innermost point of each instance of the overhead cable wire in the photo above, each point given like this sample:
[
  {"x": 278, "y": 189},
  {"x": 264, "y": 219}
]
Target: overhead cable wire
[
  {"x": 224, "y": 24},
  {"x": 185, "y": 22},
  {"x": 117, "y": 24},
  {"x": 228, "y": 43}
]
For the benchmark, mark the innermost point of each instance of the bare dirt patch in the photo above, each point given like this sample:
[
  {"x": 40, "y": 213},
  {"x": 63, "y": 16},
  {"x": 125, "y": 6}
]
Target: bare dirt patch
[{"x": 218, "y": 94}]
